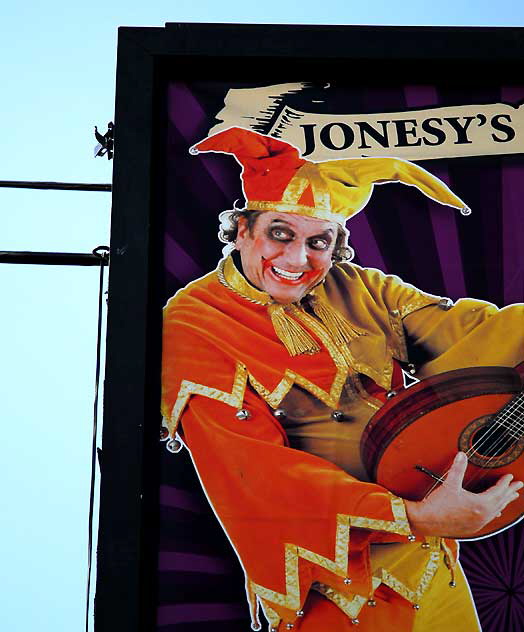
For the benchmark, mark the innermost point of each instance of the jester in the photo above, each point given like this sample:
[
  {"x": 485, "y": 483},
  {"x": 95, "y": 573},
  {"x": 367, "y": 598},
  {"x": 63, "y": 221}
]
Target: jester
[{"x": 274, "y": 363}]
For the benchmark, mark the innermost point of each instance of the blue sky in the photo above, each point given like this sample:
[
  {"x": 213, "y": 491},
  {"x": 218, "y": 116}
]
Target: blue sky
[{"x": 58, "y": 75}]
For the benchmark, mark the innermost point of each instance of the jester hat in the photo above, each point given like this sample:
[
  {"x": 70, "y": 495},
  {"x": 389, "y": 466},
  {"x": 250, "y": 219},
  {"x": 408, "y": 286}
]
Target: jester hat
[{"x": 276, "y": 178}]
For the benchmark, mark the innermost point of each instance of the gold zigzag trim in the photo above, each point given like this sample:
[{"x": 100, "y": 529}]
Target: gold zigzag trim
[
  {"x": 188, "y": 388},
  {"x": 338, "y": 566},
  {"x": 399, "y": 514},
  {"x": 330, "y": 398},
  {"x": 291, "y": 599},
  {"x": 350, "y": 607},
  {"x": 399, "y": 587},
  {"x": 236, "y": 397},
  {"x": 273, "y": 398}
]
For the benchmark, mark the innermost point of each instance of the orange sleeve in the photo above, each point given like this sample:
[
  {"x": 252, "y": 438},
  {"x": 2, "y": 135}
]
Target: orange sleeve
[{"x": 293, "y": 518}]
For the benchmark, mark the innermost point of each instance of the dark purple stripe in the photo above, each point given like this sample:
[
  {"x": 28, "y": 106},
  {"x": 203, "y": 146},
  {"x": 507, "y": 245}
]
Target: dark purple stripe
[
  {"x": 497, "y": 559},
  {"x": 216, "y": 171},
  {"x": 513, "y": 229},
  {"x": 190, "y": 613},
  {"x": 512, "y": 94},
  {"x": 181, "y": 265},
  {"x": 513, "y": 232},
  {"x": 186, "y": 113},
  {"x": 420, "y": 96},
  {"x": 190, "y": 119},
  {"x": 179, "y": 499},
  {"x": 190, "y": 562},
  {"x": 443, "y": 222},
  {"x": 364, "y": 242}
]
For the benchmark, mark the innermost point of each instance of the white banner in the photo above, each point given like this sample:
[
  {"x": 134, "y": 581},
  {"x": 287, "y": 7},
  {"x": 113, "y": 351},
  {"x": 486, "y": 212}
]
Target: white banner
[{"x": 422, "y": 134}]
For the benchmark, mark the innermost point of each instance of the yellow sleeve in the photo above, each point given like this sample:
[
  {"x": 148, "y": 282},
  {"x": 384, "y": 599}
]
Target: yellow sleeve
[{"x": 469, "y": 333}]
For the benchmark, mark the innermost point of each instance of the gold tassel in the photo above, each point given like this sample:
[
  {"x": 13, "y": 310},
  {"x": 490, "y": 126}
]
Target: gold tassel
[
  {"x": 295, "y": 339},
  {"x": 341, "y": 330}
]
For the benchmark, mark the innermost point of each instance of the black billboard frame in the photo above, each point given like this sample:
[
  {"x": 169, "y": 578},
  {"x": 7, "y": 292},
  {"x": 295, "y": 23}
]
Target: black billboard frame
[{"x": 126, "y": 583}]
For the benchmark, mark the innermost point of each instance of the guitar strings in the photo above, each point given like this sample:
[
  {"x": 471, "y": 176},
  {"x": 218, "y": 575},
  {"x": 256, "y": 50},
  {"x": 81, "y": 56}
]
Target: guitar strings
[
  {"x": 506, "y": 437},
  {"x": 510, "y": 433},
  {"x": 516, "y": 405}
]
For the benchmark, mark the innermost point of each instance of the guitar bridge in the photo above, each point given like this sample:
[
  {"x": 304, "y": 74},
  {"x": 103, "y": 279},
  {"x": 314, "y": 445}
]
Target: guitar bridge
[{"x": 431, "y": 474}]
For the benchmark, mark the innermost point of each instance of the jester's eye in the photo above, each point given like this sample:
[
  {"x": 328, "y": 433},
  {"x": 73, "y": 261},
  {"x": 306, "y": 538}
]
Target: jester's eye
[
  {"x": 319, "y": 243},
  {"x": 280, "y": 234}
]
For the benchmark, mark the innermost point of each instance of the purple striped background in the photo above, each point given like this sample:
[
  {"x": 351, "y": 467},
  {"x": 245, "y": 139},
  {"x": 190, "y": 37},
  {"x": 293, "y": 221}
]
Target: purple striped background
[{"x": 200, "y": 581}]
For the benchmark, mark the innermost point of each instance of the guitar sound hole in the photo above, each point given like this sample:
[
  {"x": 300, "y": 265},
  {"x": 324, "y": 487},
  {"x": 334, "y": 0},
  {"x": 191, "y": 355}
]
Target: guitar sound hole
[
  {"x": 491, "y": 441},
  {"x": 488, "y": 445}
]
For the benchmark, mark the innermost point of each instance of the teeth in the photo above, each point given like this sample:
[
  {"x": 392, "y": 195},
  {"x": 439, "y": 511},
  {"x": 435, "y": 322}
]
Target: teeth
[{"x": 292, "y": 276}]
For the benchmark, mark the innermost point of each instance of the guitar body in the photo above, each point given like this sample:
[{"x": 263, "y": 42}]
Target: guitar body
[{"x": 425, "y": 425}]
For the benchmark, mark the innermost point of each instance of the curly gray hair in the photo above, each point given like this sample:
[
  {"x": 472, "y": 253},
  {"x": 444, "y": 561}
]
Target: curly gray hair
[{"x": 229, "y": 229}]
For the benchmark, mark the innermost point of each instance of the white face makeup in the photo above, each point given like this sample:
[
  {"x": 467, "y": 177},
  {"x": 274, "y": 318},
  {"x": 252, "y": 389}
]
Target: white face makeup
[{"x": 286, "y": 255}]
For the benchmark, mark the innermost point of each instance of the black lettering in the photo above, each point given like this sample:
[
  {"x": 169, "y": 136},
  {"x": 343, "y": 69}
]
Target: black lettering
[
  {"x": 309, "y": 137},
  {"x": 482, "y": 119},
  {"x": 429, "y": 128},
  {"x": 461, "y": 129},
  {"x": 403, "y": 132},
  {"x": 506, "y": 129},
  {"x": 381, "y": 137},
  {"x": 327, "y": 141}
]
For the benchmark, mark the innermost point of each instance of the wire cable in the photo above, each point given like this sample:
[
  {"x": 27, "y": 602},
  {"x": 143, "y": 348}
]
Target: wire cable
[
  {"x": 57, "y": 186},
  {"x": 103, "y": 253}
]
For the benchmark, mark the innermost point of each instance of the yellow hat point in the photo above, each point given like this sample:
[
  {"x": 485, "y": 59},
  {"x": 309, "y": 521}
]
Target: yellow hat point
[{"x": 276, "y": 178}]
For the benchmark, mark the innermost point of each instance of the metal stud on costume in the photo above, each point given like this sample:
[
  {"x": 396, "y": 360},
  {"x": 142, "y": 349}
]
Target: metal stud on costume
[
  {"x": 243, "y": 414},
  {"x": 174, "y": 445}
]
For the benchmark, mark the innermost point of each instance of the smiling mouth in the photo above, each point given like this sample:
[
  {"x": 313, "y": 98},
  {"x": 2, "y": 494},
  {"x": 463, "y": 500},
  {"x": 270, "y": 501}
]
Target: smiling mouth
[{"x": 286, "y": 274}]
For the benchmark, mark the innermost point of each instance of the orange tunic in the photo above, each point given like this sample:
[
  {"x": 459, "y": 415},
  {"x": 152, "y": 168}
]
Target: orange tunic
[{"x": 297, "y": 521}]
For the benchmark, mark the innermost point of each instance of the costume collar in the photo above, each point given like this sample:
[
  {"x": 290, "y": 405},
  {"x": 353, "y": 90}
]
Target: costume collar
[
  {"x": 289, "y": 330},
  {"x": 230, "y": 276},
  {"x": 293, "y": 326},
  {"x": 234, "y": 280}
]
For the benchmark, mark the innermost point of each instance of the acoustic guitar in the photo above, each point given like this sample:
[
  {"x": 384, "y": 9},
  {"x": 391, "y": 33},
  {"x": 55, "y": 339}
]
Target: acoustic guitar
[{"x": 409, "y": 444}]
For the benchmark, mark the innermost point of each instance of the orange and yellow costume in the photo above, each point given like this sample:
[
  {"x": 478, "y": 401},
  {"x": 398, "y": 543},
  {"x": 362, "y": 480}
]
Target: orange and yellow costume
[
  {"x": 273, "y": 399},
  {"x": 299, "y": 522}
]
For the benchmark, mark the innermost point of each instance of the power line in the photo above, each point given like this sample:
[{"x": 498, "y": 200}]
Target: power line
[
  {"x": 52, "y": 258},
  {"x": 58, "y": 186}
]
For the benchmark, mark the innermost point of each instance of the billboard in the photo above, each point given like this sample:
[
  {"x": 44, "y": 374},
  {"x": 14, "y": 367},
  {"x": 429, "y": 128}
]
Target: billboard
[{"x": 291, "y": 530}]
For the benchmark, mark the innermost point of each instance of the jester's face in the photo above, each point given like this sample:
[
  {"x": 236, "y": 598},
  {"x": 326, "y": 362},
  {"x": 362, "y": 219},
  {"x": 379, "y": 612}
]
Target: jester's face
[{"x": 286, "y": 255}]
